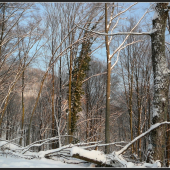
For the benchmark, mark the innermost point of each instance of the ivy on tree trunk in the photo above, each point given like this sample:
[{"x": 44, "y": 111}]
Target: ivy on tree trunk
[{"x": 78, "y": 74}]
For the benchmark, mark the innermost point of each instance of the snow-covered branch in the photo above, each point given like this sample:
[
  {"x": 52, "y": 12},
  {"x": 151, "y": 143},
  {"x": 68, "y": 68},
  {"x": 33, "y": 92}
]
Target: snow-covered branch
[
  {"x": 120, "y": 50},
  {"x": 140, "y": 136},
  {"x": 121, "y": 13},
  {"x": 99, "y": 145},
  {"x": 113, "y": 29},
  {"x": 118, "y": 33},
  {"x": 130, "y": 33}
]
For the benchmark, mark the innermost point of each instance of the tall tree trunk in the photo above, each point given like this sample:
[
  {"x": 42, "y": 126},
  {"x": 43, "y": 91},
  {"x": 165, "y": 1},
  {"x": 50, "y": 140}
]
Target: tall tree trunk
[
  {"x": 161, "y": 82},
  {"x": 59, "y": 104},
  {"x": 7, "y": 122},
  {"x": 69, "y": 98},
  {"x": 69, "y": 93},
  {"x": 2, "y": 30},
  {"x": 130, "y": 108},
  {"x": 168, "y": 143},
  {"x": 139, "y": 114},
  {"x": 107, "y": 130},
  {"x": 22, "y": 95},
  {"x": 87, "y": 112},
  {"x": 53, "y": 111},
  {"x": 23, "y": 108},
  {"x": 149, "y": 105},
  {"x": 52, "y": 102}
]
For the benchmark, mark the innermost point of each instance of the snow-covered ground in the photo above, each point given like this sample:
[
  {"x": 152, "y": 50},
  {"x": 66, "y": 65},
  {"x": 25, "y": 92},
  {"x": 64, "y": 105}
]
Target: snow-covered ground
[
  {"x": 15, "y": 156},
  {"x": 13, "y": 162},
  {"x": 7, "y": 161},
  {"x": 11, "y": 159}
]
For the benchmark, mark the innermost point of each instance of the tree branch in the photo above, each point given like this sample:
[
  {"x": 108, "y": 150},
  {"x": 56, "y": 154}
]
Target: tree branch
[
  {"x": 118, "y": 33},
  {"x": 140, "y": 136},
  {"x": 94, "y": 76}
]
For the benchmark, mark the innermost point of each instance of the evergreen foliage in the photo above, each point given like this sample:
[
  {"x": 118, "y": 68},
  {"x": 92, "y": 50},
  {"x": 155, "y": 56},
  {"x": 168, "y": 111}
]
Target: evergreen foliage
[{"x": 81, "y": 66}]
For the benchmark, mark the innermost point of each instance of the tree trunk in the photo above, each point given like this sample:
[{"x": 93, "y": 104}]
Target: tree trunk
[
  {"x": 168, "y": 144},
  {"x": 23, "y": 109},
  {"x": 7, "y": 122},
  {"x": 139, "y": 114},
  {"x": 161, "y": 82},
  {"x": 69, "y": 93},
  {"x": 69, "y": 98},
  {"x": 107, "y": 131},
  {"x": 59, "y": 106},
  {"x": 52, "y": 101},
  {"x": 113, "y": 163},
  {"x": 130, "y": 108},
  {"x": 87, "y": 112},
  {"x": 22, "y": 95},
  {"x": 2, "y": 30}
]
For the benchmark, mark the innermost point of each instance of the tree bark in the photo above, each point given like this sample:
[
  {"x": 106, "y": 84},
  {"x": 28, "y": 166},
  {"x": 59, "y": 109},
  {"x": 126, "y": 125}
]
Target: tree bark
[
  {"x": 168, "y": 143},
  {"x": 130, "y": 107},
  {"x": 87, "y": 112},
  {"x": 2, "y": 30},
  {"x": 69, "y": 93},
  {"x": 115, "y": 163},
  {"x": 23, "y": 108},
  {"x": 52, "y": 98},
  {"x": 139, "y": 113},
  {"x": 107, "y": 131},
  {"x": 22, "y": 95},
  {"x": 161, "y": 82}
]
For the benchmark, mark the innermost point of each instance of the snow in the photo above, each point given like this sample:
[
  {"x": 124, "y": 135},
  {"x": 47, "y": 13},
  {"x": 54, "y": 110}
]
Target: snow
[
  {"x": 157, "y": 164},
  {"x": 166, "y": 71},
  {"x": 130, "y": 165},
  {"x": 163, "y": 99},
  {"x": 97, "y": 155},
  {"x": 155, "y": 112},
  {"x": 93, "y": 154},
  {"x": 155, "y": 15},
  {"x": 126, "y": 164},
  {"x": 150, "y": 147},
  {"x": 9, "y": 145},
  {"x": 12, "y": 159},
  {"x": 41, "y": 154},
  {"x": 7, "y": 161},
  {"x": 12, "y": 162}
]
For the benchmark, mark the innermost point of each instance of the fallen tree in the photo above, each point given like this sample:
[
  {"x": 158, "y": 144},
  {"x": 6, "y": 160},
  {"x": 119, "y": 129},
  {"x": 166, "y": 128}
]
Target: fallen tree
[
  {"x": 96, "y": 157},
  {"x": 79, "y": 151},
  {"x": 112, "y": 160}
]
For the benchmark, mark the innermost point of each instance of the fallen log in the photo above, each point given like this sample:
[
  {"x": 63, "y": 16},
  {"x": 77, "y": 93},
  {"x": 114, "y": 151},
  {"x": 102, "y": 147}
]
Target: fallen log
[
  {"x": 99, "y": 163},
  {"x": 96, "y": 157}
]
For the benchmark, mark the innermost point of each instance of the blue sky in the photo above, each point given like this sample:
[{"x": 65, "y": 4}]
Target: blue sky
[{"x": 137, "y": 11}]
